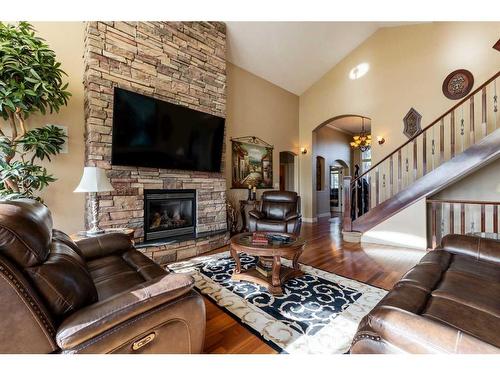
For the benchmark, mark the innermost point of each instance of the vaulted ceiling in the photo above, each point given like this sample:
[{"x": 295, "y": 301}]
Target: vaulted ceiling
[{"x": 294, "y": 55}]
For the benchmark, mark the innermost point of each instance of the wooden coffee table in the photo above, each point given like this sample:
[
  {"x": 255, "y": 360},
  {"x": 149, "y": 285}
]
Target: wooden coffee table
[{"x": 269, "y": 259}]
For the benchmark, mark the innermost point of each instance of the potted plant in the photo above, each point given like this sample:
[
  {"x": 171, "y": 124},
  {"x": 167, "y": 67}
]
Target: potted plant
[{"x": 31, "y": 81}]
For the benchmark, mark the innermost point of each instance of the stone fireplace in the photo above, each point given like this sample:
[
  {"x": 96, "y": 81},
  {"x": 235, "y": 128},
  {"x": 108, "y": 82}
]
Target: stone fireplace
[
  {"x": 169, "y": 214},
  {"x": 179, "y": 62}
]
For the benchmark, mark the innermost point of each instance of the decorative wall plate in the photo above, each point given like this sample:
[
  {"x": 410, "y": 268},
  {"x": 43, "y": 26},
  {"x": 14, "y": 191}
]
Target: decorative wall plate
[
  {"x": 411, "y": 123},
  {"x": 458, "y": 84}
]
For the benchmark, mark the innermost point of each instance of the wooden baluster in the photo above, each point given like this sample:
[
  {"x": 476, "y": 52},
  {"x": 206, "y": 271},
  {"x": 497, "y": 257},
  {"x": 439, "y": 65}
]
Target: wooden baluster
[
  {"x": 356, "y": 203},
  {"x": 484, "y": 112},
  {"x": 452, "y": 130},
  {"x": 347, "y": 221},
  {"x": 415, "y": 159},
  {"x": 369, "y": 202},
  {"x": 424, "y": 153},
  {"x": 434, "y": 225},
  {"x": 391, "y": 170},
  {"x": 452, "y": 218},
  {"x": 495, "y": 219},
  {"x": 362, "y": 196},
  {"x": 441, "y": 142},
  {"x": 483, "y": 217},
  {"x": 400, "y": 167},
  {"x": 377, "y": 188},
  {"x": 472, "y": 126},
  {"x": 462, "y": 218}
]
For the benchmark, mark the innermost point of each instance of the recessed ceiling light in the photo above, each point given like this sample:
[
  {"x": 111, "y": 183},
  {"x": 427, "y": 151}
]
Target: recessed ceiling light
[{"x": 359, "y": 71}]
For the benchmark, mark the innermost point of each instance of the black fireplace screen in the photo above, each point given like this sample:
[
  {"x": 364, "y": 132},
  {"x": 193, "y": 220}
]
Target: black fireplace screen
[{"x": 169, "y": 213}]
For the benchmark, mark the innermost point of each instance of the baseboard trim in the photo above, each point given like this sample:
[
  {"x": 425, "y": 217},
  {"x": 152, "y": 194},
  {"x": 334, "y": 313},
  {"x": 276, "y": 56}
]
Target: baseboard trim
[{"x": 310, "y": 219}]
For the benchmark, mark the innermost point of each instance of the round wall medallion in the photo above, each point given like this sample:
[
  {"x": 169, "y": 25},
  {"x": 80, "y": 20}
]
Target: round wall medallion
[{"x": 458, "y": 84}]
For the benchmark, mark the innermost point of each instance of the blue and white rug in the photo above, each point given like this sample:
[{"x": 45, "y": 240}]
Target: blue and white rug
[{"x": 318, "y": 313}]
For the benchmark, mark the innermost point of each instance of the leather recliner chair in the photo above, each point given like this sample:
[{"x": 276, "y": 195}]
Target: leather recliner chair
[
  {"x": 448, "y": 303},
  {"x": 98, "y": 295},
  {"x": 279, "y": 211}
]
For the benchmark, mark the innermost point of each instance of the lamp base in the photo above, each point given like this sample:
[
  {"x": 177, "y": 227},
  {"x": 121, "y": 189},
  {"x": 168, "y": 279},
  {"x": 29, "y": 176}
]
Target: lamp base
[{"x": 93, "y": 232}]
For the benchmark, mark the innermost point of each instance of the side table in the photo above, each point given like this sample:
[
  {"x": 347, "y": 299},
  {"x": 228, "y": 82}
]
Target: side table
[{"x": 243, "y": 212}]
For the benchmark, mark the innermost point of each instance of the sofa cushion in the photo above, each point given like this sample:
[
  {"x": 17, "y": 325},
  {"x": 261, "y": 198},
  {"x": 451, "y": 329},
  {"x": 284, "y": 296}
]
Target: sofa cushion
[
  {"x": 475, "y": 322},
  {"x": 479, "y": 248},
  {"x": 25, "y": 231},
  {"x": 276, "y": 205},
  {"x": 117, "y": 273},
  {"x": 63, "y": 237},
  {"x": 466, "y": 265},
  {"x": 63, "y": 280},
  {"x": 266, "y": 225}
]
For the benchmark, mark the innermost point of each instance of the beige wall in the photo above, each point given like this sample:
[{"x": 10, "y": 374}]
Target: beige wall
[
  {"x": 66, "y": 39},
  {"x": 332, "y": 145},
  {"x": 257, "y": 107},
  {"x": 407, "y": 67},
  {"x": 403, "y": 229}
]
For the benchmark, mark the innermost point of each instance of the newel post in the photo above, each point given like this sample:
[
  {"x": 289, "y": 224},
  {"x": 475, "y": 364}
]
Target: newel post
[{"x": 347, "y": 221}]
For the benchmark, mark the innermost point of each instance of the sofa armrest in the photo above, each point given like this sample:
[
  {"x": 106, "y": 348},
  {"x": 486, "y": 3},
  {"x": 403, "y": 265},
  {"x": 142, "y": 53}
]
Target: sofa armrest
[
  {"x": 256, "y": 214},
  {"x": 412, "y": 333},
  {"x": 106, "y": 244},
  {"x": 292, "y": 216},
  {"x": 95, "y": 319},
  {"x": 479, "y": 248}
]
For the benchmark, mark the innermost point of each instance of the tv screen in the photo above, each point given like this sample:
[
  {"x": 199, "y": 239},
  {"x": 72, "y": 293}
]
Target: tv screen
[{"x": 153, "y": 133}]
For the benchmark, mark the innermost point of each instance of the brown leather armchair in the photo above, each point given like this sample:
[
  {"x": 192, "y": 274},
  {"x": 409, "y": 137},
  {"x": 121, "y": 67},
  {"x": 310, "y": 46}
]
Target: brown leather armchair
[
  {"x": 448, "y": 303},
  {"x": 98, "y": 295},
  {"x": 279, "y": 211}
]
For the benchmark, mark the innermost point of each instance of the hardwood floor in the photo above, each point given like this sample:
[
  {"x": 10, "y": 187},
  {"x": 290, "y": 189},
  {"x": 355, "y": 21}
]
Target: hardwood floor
[{"x": 378, "y": 265}]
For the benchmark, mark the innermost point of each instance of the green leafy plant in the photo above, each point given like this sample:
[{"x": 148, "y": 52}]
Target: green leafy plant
[{"x": 31, "y": 81}]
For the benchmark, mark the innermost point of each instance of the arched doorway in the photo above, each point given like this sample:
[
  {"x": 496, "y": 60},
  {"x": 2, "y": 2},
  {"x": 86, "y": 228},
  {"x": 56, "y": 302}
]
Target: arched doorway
[
  {"x": 288, "y": 172},
  {"x": 331, "y": 140}
]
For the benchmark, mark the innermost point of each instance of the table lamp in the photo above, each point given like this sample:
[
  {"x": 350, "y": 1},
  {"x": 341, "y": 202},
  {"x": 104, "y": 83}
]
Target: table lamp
[{"x": 94, "y": 180}]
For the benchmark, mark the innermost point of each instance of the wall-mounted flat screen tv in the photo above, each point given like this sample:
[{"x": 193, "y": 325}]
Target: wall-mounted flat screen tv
[{"x": 148, "y": 132}]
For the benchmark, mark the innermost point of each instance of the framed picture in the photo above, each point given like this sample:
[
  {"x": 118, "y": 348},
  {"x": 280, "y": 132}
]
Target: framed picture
[{"x": 252, "y": 163}]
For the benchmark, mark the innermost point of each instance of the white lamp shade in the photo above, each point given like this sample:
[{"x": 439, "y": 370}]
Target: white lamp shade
[{"x": 94, "y": 180}]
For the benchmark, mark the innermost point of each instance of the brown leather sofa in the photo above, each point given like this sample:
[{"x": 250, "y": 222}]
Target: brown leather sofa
[
  {"x": 279, "y": 211},
  {"x": 98, "y": 295},
  {"x": 448, "y": 303}
]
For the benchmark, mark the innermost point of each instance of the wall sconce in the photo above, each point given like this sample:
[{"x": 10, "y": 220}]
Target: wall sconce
[
  {"x": 303, "y": 150},
  {"x": 380, "y": 140}
]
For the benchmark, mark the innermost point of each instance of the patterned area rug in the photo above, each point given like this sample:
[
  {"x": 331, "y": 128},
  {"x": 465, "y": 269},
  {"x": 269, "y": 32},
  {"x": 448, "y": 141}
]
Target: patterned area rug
[{"x": 318, "y": 313}]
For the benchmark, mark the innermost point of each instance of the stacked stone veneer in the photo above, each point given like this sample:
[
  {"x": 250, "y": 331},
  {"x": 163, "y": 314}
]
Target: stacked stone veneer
[{"x": 180, "y": 62}]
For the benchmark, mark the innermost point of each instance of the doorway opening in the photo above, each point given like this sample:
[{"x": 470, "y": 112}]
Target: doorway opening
[
  {"x": 337, "y": 173},
  {"x": 288, "y": 174}
]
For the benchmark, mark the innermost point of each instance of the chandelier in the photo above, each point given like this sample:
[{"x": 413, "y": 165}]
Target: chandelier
[{"x": 363, "y": 140}]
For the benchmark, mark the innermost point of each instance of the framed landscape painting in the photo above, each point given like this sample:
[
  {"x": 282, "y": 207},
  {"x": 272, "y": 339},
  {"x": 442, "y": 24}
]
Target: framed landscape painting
[{"x": 252, "y": 163}]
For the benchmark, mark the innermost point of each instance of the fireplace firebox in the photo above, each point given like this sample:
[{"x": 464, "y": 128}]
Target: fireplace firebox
[{"x": 169, "y": 214}]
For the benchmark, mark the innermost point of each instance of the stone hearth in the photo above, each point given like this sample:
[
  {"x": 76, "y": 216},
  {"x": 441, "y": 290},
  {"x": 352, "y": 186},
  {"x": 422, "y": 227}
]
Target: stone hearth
[{"x": 182, "y": 63}]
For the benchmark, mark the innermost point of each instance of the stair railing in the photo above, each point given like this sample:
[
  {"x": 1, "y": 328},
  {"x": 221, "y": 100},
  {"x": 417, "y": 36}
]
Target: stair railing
[
  {"x": 462, "y": 126},
  {"x": 448, "y": 216}
]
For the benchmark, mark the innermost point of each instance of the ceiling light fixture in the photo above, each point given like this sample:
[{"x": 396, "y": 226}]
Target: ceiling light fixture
[
  {"x": 359, "y": 71},
  {"x": 362, "y": 141}
]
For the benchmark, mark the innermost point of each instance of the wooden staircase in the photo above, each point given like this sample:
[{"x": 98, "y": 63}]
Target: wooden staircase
[{"x": 448, "y": 149}]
